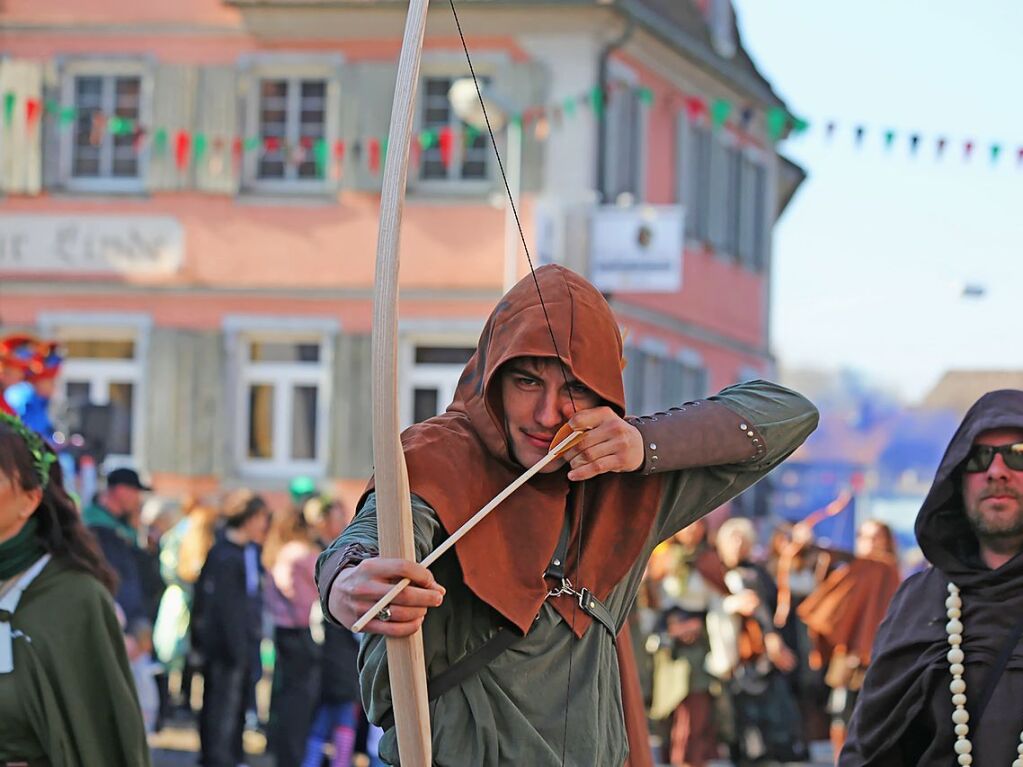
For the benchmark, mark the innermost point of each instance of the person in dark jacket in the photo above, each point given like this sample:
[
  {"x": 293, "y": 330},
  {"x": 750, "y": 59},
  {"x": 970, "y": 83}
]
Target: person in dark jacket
[
  {"x": 226, "y": 628},
  {"x": 946, "y": 676},
  {"x": 113, "y": 518}
]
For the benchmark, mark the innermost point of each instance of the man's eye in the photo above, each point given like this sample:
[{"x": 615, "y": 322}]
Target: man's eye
[{"x": 525, "y": 381}]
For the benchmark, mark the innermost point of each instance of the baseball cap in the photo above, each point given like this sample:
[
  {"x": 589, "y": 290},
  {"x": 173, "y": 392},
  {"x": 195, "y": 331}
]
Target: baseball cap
[{"x": 128, "y": 477}]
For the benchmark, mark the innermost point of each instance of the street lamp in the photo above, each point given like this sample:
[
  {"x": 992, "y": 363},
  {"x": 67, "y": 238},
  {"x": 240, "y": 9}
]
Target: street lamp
[{"x": 465, "y": 103}]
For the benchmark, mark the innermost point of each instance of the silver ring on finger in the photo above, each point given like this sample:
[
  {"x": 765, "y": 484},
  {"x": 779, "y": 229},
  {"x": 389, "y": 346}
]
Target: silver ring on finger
[{"x": 384, "y": 615}]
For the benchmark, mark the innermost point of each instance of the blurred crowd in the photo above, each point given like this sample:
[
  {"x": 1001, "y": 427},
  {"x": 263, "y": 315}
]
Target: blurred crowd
[
  {"x": 223, "y": 592},
  {"x": 755, "y": 642}
]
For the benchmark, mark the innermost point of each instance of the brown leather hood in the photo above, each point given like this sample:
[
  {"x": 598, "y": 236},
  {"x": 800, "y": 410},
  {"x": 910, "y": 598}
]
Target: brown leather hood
[{"x": 458, "y": 461}]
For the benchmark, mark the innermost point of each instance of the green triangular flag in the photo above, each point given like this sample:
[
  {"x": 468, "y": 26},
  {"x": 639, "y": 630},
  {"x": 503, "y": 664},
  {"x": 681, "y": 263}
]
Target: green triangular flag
[
  {"x": 9, "y": 100},
  {"x": 799, "y": 125},
  {"x": 776, "y": 120},
  {"x": 251, "y": 143},
  {"x": 597, "y": 100},
  {"x": 646, "y": 96},
  {"x": 719, "y": 112},
  {"x": 427, "y": 138},
  {"x": 68, "y": 115},
  {"x": 383, "y": 151},
  {"x": 52, "y": 107},
  {"x": 889, "y": 138},
  {"x": 320, "y": 155},
  {"x": 160, "y": 141},
  {"x": 199, "y": 146},
  {"x": 996, "y": 149}
]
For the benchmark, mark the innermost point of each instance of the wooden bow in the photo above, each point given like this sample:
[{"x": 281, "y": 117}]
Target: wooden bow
[{"x": 405, "y": 657}]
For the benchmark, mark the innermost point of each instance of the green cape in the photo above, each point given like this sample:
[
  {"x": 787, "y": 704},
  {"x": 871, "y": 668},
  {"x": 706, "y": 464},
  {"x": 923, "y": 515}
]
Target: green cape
[{"x": 73, "y": 676}]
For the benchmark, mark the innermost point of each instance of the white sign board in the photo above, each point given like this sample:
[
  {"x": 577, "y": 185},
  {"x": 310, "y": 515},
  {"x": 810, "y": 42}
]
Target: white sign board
[
  {"x": 129, "y": 245},
  {"x": 637, "y": 249}
]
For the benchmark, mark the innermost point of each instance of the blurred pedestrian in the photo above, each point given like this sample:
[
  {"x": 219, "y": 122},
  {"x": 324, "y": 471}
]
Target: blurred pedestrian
[
  {"x": 227, "y": 628},
  {"x": 684, "y": 575},
  {"x": 843, "y": 613},
  {"x": 289, "y": 557},
  {"x": 766, "y": 719},
  {"x": 337, "y": 715},
  {"x": 114, "y": 518},
  {"x": 183, "y": 552},
  {"x": 66, "y": 691}
]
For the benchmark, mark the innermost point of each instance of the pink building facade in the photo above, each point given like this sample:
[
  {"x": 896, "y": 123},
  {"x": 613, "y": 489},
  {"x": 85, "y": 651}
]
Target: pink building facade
[{"x": 191, "y": 196}]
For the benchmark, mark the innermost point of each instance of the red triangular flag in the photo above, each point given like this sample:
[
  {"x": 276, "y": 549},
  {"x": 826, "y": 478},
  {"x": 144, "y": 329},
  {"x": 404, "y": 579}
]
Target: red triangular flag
[
  {"x": 182, "y": 147},
  {"x": 31, "y": 112},
  {"x": 446, "y": 142},
  {"x": 374, "y": 155},
  {"x": 695, "y": 107}
]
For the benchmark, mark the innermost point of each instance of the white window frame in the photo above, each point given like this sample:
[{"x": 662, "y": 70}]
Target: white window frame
[
  {"x": 294, "y": 68},
  {"x": 453, "y": 66},
  {"x": 106, "y": 68},
  {"x": 100, "y": 373},
  {"x": 240, "y": 332},
  {"x": 461, "y": 334},
  {"x": 614, "y": 143}
]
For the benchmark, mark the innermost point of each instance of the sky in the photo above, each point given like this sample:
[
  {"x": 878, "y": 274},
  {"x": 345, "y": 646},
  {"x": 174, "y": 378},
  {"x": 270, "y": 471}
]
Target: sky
[{"x": 871, "y": 255}]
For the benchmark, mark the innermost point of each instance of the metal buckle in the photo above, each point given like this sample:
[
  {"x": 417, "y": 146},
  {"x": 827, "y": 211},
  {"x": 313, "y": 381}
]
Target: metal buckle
[{"x": 566, "y": 589}]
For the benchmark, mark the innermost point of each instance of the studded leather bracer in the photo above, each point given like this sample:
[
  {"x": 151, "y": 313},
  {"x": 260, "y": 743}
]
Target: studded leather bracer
[{"x": 701, "y": 433}]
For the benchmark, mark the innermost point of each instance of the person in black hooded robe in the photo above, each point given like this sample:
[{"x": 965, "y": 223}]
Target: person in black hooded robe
[{"x": 970, "y": 528}]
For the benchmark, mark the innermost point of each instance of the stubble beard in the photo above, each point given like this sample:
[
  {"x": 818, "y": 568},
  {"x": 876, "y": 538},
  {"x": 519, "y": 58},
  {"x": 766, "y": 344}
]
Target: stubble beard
[{"x": 1001, "y": 537}]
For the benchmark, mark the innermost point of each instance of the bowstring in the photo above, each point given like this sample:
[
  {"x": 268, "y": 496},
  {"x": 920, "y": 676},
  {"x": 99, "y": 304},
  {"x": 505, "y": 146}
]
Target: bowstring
[{"x": 550, "y": 330}]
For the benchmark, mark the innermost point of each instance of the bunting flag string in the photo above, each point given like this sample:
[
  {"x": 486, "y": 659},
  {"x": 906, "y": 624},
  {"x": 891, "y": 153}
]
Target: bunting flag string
[{"x": 193, "y": 148}]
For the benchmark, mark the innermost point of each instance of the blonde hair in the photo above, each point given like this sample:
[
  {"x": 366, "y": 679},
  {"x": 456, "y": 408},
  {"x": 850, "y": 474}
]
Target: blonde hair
[{"x": 197, "y": 540}]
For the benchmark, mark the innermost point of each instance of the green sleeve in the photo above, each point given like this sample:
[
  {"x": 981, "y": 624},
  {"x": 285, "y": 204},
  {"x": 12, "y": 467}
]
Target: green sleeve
[
  {"x": 363, "y": 530},
  {"x": 784, "y": 420}
]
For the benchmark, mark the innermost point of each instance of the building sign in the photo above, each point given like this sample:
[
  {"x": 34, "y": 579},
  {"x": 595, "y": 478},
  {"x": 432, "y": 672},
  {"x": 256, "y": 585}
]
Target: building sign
[
  {"x": 637, "y": 249},
  {"x": 129, "y": 245}
]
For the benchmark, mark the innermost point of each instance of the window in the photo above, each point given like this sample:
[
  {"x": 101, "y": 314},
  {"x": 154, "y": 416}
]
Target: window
[
  {"x": 724, "y": 190},
  {"x": 291, "y": 113},
  {"x": 463, "y": 154},
  {"x": 292, "y": 118},
  {"x": 656, "y": 381},
  {"x": 284, "y": 388},
  {"x": 623, "y": 172},
  {"x": 100, "y": 382},
  {"x": 99, "y": 150},
  {"x": 431, "y": 380}
]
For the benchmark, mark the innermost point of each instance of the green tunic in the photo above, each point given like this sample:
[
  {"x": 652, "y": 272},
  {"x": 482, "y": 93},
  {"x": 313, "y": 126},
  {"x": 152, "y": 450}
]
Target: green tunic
[
  {"x": 550, "y": 693},
  {"x": 71, "y": 698}
]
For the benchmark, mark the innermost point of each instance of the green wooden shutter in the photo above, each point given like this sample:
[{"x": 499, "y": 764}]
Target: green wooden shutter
[
  {"x": 21, "y": 144},
  {"x": 217, "y": 121},
  {"x": 174, "y": 96},
  {"x": 367, "y": 117}
]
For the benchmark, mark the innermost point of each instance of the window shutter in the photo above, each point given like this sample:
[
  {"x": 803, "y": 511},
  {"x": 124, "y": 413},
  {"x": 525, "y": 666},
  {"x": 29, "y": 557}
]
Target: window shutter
[
  {"x": 367, "y": 118},
  {"x": 217, "y": 119},
  {"x": 21, "y": 145},
  {"x": 351, "y": 450},
  {"x": 174, "y": 91}
]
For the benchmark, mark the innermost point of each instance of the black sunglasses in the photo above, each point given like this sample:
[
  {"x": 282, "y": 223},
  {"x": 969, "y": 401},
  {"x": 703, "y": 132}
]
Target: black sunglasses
[{"x": 980, "y": 457}]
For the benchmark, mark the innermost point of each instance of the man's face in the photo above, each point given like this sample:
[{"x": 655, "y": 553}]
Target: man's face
[
  {"x": 993, "y": 499},
  {"x": 537, "y": 402},
  {"x": 126, "y": 502}
]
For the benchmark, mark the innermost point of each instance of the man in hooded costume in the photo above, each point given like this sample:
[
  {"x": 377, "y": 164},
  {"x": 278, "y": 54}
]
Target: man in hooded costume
[
  {"x": 946, "y": 679},
  {"x": 552, "y": 693}
]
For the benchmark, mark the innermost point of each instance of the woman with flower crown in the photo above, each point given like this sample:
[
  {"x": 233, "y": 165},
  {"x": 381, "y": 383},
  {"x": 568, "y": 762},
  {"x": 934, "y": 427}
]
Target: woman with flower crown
[{"x": 66, "y": 693}]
